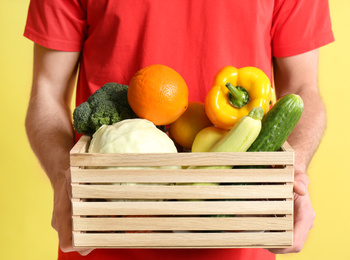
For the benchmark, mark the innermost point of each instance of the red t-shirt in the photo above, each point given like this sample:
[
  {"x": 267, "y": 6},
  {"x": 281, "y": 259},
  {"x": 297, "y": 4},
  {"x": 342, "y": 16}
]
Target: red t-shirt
[{"x": 196, "y": 38}]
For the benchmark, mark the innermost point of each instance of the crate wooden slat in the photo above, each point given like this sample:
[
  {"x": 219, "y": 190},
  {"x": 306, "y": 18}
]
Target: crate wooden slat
[
  {"x": 182, "y": 208},
  {"x": 274, "y": 175},
  {"x": 181, "y": 192},
  {"x": 183, "y": 159},
  {"x": 185, "y": 240},
  {"x": 182, "y": 223}
]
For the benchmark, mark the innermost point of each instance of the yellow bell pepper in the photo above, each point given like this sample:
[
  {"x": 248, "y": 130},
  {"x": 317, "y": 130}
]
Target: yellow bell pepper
[{"x": 234, "y": 93}]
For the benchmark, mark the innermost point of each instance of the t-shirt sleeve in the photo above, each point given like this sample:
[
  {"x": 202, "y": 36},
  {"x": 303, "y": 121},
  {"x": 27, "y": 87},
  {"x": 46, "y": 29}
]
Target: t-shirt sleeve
[
  {"x": 56, "y": 24},
  {"x": 299, "y": 26}
]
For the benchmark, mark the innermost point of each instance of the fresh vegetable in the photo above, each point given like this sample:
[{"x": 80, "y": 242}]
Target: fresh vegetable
[
  {"x": 106, "y": 106},
  {"x": 240, "y": 137},
  {"x": 206, "y": 139},
  {"x": 278, "y": 123},
  {"x": 131, "y": 136},
  {"x": 234, "y": 93}
]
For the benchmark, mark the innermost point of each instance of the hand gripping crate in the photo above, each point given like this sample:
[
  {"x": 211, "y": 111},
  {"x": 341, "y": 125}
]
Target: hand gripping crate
[{"x": 250, "y": 205}]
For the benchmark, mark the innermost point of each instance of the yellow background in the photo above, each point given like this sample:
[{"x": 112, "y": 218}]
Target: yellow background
[{"x": 26, "y": 197}]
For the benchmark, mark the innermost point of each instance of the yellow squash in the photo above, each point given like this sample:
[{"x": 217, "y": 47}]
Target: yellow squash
[{"x": 239, "y": 138}]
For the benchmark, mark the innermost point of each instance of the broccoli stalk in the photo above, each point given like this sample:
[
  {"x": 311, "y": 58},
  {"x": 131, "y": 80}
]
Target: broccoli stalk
[{"x": 108, "y": 105}]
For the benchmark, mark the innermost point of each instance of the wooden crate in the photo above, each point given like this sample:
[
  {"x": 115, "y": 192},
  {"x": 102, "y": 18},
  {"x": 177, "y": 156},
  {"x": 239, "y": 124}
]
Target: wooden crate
[{"x": 247, "y": 207}]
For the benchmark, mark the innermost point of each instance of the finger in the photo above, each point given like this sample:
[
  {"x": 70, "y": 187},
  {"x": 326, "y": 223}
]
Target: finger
[
  {"x": 85, "y": 252},
  {"x": 301, "y": 183},
  {"x": 300, "y": 235},
  {"x": 63, "y": 225},
  {"x": 303, "y": 222},
  {"x": 61, "y": 218},
  {"x": 66, "y": 242}
]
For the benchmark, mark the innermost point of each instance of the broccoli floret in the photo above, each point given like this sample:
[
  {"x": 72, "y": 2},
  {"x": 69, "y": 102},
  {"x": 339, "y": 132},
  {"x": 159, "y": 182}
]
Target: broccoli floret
[
  {"x": 81, "y": 117},
  {"x": 108, "y": 105},
  {"x": 105, "y": 114},
  {"x": 112, "y": 90}
]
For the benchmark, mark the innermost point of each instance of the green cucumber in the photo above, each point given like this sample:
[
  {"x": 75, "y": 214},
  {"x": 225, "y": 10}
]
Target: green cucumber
[{"x": 278, "y": 123}]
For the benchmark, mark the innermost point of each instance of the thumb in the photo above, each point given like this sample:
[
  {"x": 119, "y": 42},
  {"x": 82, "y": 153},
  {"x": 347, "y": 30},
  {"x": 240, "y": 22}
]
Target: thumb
[
  {"x": 85, "y": 252},
  {"x": 301, "y": 183}
]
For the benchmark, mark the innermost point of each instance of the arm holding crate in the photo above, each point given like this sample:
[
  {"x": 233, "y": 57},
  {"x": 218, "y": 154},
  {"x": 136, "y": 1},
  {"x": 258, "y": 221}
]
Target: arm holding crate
[
  {"x": 299, "y": 74},
  {"x": 48, "y": 125}
]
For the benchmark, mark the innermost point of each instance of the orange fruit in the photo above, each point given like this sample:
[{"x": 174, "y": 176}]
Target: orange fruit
[
  {"x": 194, "y": 119},
  {"x": 158, "y": 93}
]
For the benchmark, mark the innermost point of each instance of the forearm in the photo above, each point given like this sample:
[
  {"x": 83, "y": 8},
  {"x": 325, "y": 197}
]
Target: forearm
[
  {"x": 48, "y": 122},
  {"x": 299, "y": 75},
  {"x": 50, "y": 133},
  {"x": 308, "y": 133}
]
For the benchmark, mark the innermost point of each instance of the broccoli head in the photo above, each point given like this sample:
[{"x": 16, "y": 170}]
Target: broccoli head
[{"x": 108, "y": 105}]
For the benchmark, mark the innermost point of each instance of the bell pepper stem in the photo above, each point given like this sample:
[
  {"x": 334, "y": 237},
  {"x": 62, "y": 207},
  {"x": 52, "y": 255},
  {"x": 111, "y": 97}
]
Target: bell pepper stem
[{"x": 238, "y": 96}]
